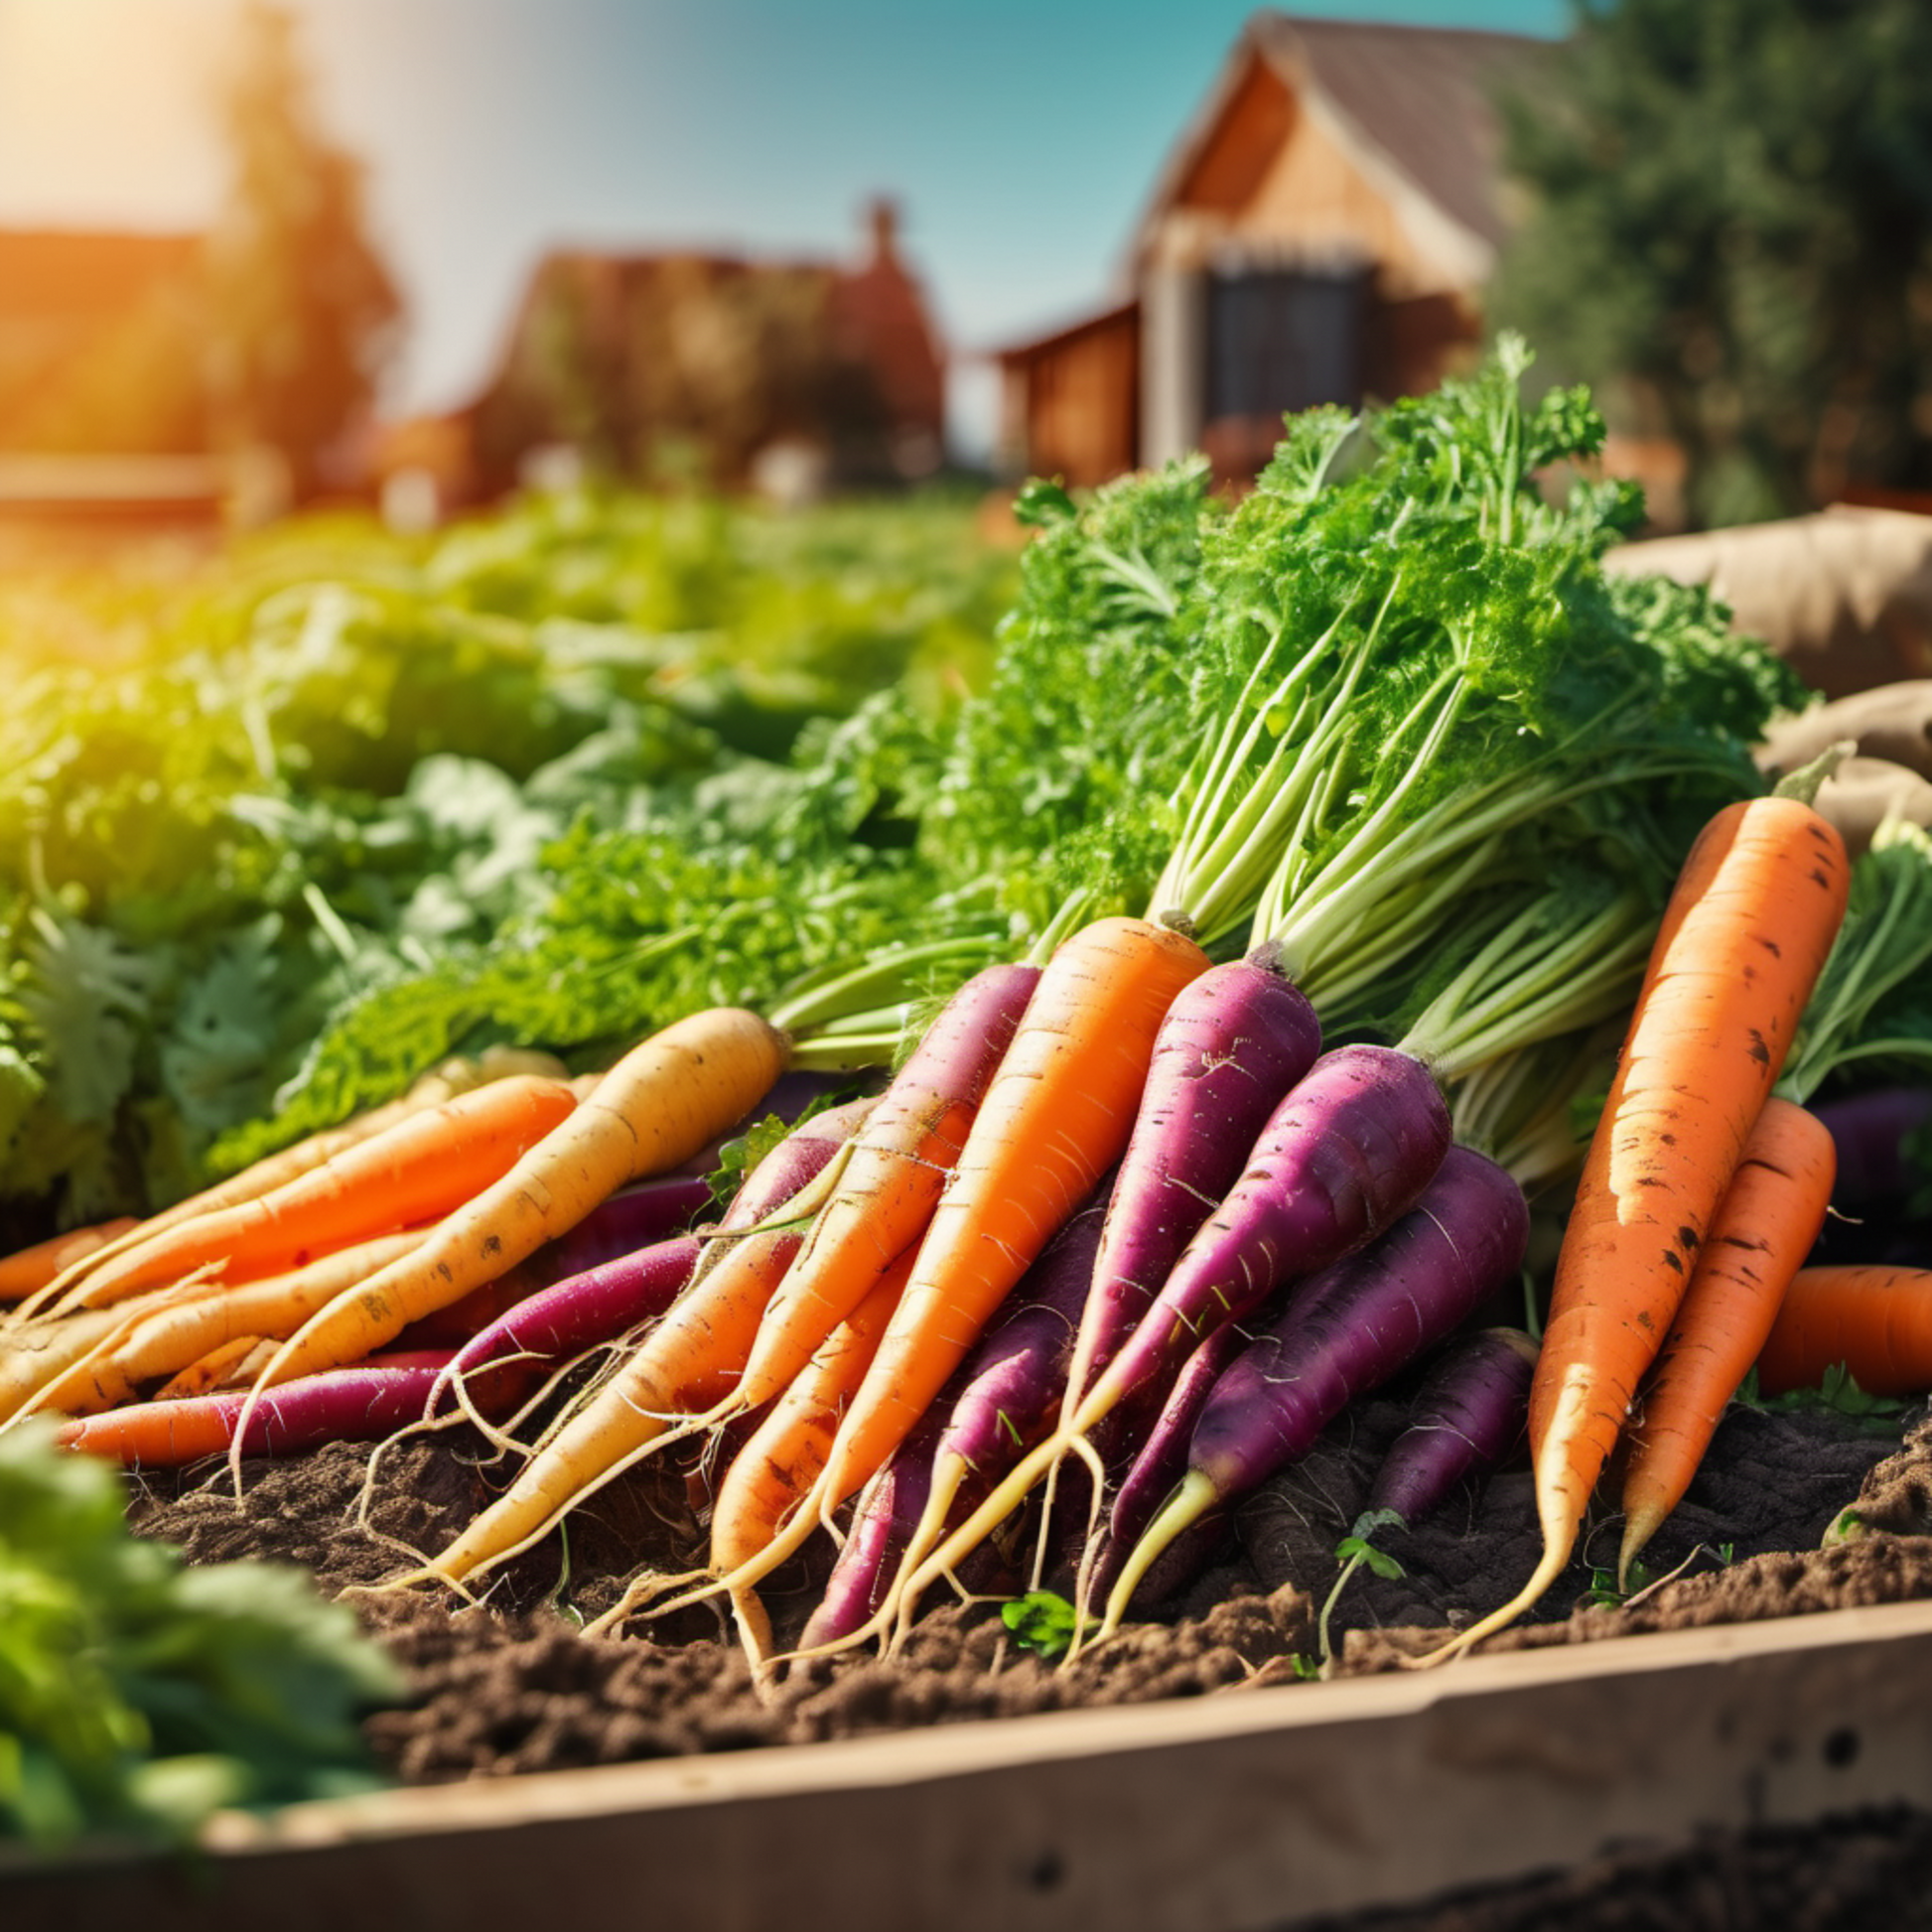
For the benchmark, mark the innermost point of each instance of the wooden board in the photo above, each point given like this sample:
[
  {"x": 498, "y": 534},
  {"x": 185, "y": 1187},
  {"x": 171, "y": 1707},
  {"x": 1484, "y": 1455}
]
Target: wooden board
[{"x": 1238, "y": 1812}]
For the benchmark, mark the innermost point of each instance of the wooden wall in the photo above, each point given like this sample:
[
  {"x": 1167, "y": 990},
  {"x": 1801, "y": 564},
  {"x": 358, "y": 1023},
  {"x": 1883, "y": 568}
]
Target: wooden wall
[{"x": 1071, "y": 403}]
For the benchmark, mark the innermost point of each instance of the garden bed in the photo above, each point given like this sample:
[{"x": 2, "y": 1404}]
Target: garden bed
[{"x": 512, "y": 1686}]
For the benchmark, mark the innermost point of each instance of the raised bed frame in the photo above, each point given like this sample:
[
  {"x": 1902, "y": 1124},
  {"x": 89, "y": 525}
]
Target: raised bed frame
[{"x": 1235, "y": 1813}]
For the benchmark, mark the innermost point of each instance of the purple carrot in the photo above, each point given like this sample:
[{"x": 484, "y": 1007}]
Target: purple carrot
[
  {"x": 897, "y": 1167},
  {"x": 572, "y": 1314},
  {"x": 598, "y": 1303},
  {"x": 1163, "y": 1458},
  {"x": 1010, "y": 1387},
  {"x": 1158, "y": 1463},
  {"x": 889, "y": 1509},
  {"x": 1869, "y": 1131},
  {"x": 797, "y": 1160},
  {"x": 993, "y": 1405},
  {"x": 1344, "y": 1155},
  {"x": 342, "y": 1405},
  {"x": 1342, "y": 1334},
  {"x": 636, "y": 1217},
  {"x": 1234, "y": 1044},
  {"x": 1469, "y": 1413}
]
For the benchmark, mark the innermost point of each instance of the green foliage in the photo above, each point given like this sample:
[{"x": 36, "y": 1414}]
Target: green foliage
[
  {"x": 1603, "y": 1593},
  {"x": 739, "y": 1157},
  {"x": 1838, "y": 1393},
  {"x": 1731, "y": 235},
  {"x": 1042, "y": 1623},
  {"x": 1058, "y": 774},
  {"x": 1869, "y": 1013},
  {"x": 137, "y": 1695},
  {"x": 1433, "y": 726},
  {"x": 1380, "y": 1562},
  {"x": 566, "y": 774},
  {"x": 349, "y": 786}
]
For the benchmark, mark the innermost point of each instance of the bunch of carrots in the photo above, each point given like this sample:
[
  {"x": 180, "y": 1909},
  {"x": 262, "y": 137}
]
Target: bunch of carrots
[
  {"x": 1119, "y": 1237},
  {"x": 1124, "y": 1232}
]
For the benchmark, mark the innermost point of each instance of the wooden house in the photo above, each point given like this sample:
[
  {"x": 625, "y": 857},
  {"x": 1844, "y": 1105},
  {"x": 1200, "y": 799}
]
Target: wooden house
[
  {"x": 1322, "y": 232},
  {"x": 683, "y": 366}
]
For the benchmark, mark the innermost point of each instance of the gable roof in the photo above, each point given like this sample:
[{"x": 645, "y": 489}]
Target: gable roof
[{"x": 1411, "y": 106}]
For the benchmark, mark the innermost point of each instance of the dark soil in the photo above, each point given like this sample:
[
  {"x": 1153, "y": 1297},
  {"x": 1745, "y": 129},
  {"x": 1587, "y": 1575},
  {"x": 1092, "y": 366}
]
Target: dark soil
[
  {"x": 512, "y": 1684},
  {"x": 1871, "y": 1872}
]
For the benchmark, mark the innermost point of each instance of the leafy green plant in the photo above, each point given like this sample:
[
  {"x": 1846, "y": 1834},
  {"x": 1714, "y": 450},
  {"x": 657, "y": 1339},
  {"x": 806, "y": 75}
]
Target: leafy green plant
[
  {"x": 1041, "y": 1622},
  {"x": 237, "y": 809},
  {"x": 1838, "y": 1393},
  {"x": 138, "y": 1695}
]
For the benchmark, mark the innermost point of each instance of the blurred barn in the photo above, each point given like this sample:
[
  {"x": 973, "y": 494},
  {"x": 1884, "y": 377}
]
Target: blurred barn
[
  {"x": 1322, "y": 232},
  {"x": 728, "y": 371}
]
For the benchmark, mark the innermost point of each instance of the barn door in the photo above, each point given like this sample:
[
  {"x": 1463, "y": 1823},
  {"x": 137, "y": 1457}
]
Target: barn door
[{"x": 1279, "y": 340}]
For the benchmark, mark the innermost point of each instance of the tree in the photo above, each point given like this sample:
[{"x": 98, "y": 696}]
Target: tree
[
  {"x": 1730, "y": 233},
  {"x": 305, "y": 313}
]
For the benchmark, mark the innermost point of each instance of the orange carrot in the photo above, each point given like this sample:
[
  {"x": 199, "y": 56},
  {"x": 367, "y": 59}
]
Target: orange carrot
[
  {"x": 658, "y": 1106},
  {"x": 186, "y": 1329},
  {"x": 31, "y": 1270},
  {"x": 686, "y": 1366},
  {"x": 782, "y": 1458},
  {"x": 420, "y": 1167},
  {"x": 783, "y": 1455},
  {"x": 1755, "y": 913},
  {"x": 1872, "y": 1318},
  {"x": 1770, "y": 1216},
  {"x": 1058, "y": 1115},
  {"x": 445, "y": 1082},
  {"x": 895, "y": 1167}
]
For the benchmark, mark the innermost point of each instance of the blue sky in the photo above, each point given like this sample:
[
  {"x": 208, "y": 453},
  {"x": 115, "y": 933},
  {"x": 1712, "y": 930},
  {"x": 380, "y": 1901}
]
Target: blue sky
[{"x": 1019, "y": 138}]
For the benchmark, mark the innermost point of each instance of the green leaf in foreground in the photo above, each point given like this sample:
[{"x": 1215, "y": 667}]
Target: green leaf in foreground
[
  {"x": 1379, "y": 1560},
  {"x": 1041, "y": 1622},
  {"x": 136, "y": 1693}
]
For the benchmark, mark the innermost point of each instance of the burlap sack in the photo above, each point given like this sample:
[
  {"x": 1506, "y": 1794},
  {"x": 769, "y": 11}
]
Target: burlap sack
[{"x": 1845, "y": 597}]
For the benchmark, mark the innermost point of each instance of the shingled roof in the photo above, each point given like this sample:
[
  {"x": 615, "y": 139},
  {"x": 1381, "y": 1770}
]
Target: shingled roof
[{"x": 1410, "y": 105}]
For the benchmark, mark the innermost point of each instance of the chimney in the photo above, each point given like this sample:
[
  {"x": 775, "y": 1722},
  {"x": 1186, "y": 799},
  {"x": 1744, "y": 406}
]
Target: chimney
[{"x": 882, "y": 224}]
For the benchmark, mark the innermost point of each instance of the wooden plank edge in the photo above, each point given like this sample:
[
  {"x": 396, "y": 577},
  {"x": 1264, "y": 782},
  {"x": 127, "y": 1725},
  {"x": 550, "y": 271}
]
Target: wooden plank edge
[{"x": 1238, "y": 1810}]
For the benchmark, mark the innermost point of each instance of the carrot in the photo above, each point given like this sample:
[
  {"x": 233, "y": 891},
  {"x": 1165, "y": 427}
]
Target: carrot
[
  {"x": 1056, "y": 1117},
  {"x": 895, "y": 1168},
  {"x": 1872, "y": 1319},
  {"x": 1754, "y": 913},
  {"x": 31, "y": 1270},
  {"x": 355, "y": 1405},
  {"x": 782, "y": 1458},
  {"x": 662, "y": 1102},
  {"x": 41, "y": 1350},
  {"x": 900, "y": 1161},
  {"x": 1772, "y": 1214},
  {"x": 186, "y": 1329},
  {"x": 417, "y": 1170},
  {"x": 231, "y": 1364},
  {"x": 686, "y": 1365},
  {"x": 441, "y": 1083},
  {"x": 607, "y": 1299}
]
